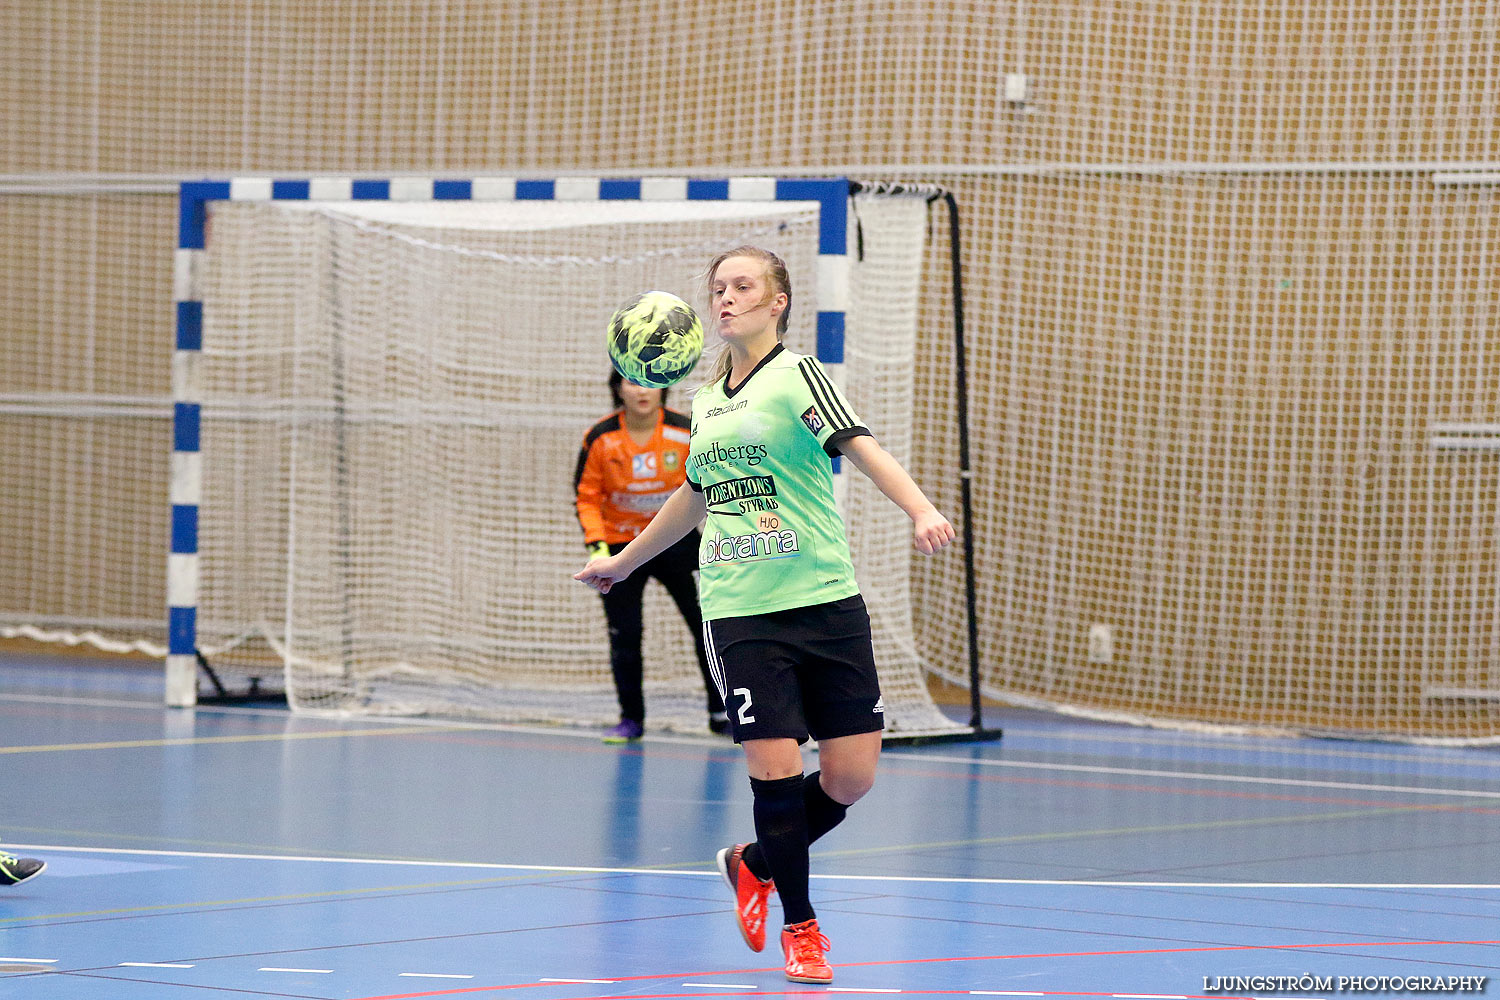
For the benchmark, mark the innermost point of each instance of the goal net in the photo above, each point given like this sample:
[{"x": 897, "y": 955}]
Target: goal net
[{"x": 393, "y": 397}]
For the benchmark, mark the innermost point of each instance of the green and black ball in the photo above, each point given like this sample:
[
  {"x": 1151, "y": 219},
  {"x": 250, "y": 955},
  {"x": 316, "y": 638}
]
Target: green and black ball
[{"x": 655, "y": 339}]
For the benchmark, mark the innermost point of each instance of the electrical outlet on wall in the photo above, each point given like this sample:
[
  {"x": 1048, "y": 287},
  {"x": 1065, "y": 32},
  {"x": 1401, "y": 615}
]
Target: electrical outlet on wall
[{"x": 1101, "y": 643}]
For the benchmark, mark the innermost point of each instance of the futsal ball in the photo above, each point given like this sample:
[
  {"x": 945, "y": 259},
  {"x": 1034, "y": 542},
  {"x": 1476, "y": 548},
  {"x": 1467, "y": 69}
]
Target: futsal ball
[{"x": 655, "y": 339}]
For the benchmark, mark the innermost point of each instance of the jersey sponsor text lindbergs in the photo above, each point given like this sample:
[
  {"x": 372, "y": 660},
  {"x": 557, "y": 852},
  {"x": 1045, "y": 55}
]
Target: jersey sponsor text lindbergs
[{"x": 714, "y": 454}]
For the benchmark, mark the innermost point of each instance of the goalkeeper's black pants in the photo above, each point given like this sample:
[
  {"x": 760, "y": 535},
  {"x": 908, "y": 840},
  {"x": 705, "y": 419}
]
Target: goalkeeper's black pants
[{"x": 674, "y": 569}]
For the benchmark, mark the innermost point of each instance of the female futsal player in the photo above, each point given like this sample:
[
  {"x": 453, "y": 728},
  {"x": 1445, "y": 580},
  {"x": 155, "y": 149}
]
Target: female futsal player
[{"x": 787, "y": 633}]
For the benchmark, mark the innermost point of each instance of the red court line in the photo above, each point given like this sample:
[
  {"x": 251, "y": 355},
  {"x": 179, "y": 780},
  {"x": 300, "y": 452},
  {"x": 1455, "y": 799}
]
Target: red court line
[
  {"x": 924, "y": 961},
  {"x": 913, "y": 992}
]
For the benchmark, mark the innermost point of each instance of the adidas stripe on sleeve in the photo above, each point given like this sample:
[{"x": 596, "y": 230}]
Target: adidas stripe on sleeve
[{"x": 828, "y": 414}]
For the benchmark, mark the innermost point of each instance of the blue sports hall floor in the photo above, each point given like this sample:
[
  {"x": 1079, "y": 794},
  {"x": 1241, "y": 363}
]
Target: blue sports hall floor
[{"x": 247, "y": 852}]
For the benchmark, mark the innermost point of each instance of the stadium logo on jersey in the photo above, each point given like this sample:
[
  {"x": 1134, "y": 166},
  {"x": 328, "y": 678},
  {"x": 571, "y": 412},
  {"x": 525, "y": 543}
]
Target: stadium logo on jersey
[
  {"x": 715, "y": 411},
  {"x": 670, "y": 459},
  {"x": 812, "y": 420},
  {"x": 748, "y": 548},
  {"x": 737, "y": 497},
  {"x": 643, "y": 466}
]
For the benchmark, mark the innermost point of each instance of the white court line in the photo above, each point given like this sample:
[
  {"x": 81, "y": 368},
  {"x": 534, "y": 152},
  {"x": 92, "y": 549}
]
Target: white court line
[
  {"x": 49, "y": 699},
  {"x": 1245, "y": 779},
  {"x": 398, "y": 862},
  {"x": 1241, "y": 742},
  {"x": 1148, "y": 996},
  {"x": 1231, "y": 741},
  {"x": 575, "y": 980},
  {"x": 1002, "y": 993},
  {"x": 33, "y": 961},
  {"x": 587, "y": 735},
  {"x": 433, "y": 975},
  {"x": 272, "y": 968},
  {"x": 859, "y": 989},
  {"x": 914, "y": 879},
  {"x": 154, "y": 965},
  {"x": 723, "y": 986},
  {"x": 1258, "y": 745}
]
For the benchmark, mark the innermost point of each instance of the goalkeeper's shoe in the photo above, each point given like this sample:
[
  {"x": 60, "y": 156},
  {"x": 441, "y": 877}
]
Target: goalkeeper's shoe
[
  {"x": 804, "y": 946},
  {"x": 750, "y": 895},
  {"x": 14, "y": 869},
  {"x": 626, "y": 731}
]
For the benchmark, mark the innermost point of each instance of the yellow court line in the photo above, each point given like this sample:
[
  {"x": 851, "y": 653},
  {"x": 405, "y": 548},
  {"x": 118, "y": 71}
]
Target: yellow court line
[
  {"x": 159, "y": 840},
  {"x": 1125, "y": 831},
  {"x": 249, "y": 738},
  {"x": 332, "y": 894}
]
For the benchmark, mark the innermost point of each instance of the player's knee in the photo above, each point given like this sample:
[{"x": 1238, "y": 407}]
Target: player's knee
[{"x": 847, "y": 787}]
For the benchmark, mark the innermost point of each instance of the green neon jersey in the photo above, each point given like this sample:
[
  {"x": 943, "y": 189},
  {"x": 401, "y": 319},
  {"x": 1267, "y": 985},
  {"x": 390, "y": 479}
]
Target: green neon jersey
[{"x": 760, "y": 455}]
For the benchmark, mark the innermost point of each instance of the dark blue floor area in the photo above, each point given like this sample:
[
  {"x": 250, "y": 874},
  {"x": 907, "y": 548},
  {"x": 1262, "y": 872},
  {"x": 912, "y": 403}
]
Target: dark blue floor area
[{"x": 244, "y": 851}]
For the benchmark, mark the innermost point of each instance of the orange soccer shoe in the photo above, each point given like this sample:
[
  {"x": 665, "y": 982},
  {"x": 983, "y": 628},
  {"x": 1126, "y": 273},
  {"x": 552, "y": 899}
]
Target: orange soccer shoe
[
  {"x": 804, "y": 946},
  {"x": 750, "y": 895}
]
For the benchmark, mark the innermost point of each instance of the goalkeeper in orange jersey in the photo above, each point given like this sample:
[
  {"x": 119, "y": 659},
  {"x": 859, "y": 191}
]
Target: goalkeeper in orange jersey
[{"x": 630, "y": 463}]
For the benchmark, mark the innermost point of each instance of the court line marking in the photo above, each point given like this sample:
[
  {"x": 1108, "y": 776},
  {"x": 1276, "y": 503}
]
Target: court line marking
[
  {"x": 191, "y": 741},
  {"x": 607, "y": 982},
  {"x": 1134, "y": 772},
  {"x": 792, "y": 991},
  {"x": 966, "y": 958},
  {"x": 258, "y": 851},
  {"x": 155, "y": 965},
  {"x": 581, "y": 870},
  {"x": 433, "y": 975},
  {"x": 724, "y": 986},
  {"x": 588, "y": 736},
  {"x": 1275, "y": 744},
  {"x": 273, "y": 968},
  {"x": 325, "y": 896},
  {"x": 1231, "y": 741},
  {"x": 1245, "y": 779},
  {"x": 861, "y": 989},
  {"x": 1242, "y": 948},
  {"x": 33, "y": 961},
  {"x": 1128, "y": 831},
  {"x": 52, "y": 699},
  {"x": 688, "y": 867}
]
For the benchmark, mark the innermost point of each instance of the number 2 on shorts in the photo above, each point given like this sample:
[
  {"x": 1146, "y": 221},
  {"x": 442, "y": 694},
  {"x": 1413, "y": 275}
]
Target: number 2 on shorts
[{"x": 745, "y": 717}]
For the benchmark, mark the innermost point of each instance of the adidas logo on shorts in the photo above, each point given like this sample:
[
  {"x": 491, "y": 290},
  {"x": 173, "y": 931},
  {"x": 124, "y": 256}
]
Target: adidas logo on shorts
[{"x": 880, "y": 705}]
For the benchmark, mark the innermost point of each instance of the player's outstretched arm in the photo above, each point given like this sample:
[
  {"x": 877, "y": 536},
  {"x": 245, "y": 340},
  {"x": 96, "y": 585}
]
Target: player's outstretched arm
[
  {"x": 930, "y": 529},
  {"x": 683, "y": 511}
]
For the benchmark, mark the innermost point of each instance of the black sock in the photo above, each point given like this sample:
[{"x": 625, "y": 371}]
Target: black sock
[
  {"x": 823, "y": 814},
  {"x": 781, "y": 832}
]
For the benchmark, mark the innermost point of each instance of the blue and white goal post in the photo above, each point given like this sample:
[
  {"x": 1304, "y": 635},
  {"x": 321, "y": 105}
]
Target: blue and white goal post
[{"x": 196, "y": 197}]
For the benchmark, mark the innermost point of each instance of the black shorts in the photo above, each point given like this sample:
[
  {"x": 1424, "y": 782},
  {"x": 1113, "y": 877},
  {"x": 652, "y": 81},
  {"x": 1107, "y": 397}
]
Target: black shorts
[{"x": 797, "y": 673}]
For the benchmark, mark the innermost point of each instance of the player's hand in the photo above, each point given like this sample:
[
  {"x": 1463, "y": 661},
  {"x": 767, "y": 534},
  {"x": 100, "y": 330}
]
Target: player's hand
[
  {"x": 930, "y": 532},
  {"x": 601, "y": 574}
]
